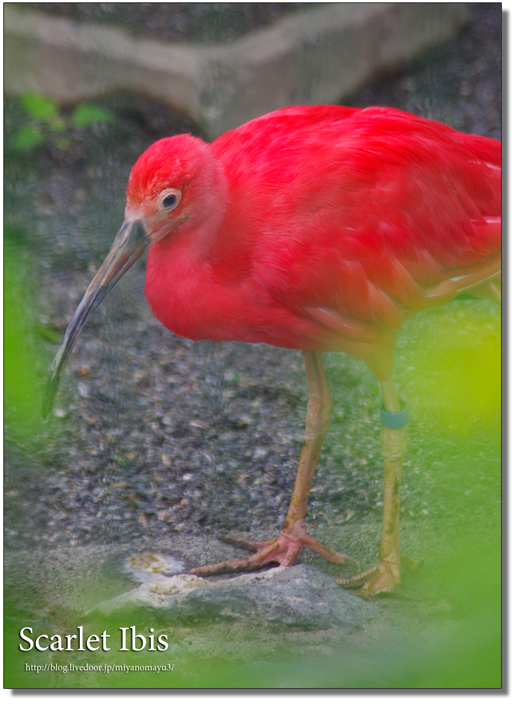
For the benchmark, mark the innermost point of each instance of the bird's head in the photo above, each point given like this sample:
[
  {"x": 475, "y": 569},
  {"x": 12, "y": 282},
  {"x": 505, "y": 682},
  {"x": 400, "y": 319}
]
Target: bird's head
[
  {"x": 177, "y": 184},
  {"x": 175, "y": 187}
]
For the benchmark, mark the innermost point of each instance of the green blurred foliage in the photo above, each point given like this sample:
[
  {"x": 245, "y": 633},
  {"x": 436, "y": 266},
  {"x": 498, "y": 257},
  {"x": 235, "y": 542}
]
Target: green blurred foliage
[
  {"x": 22, "y": 356},
  {"x": 455, "y": 378},
  {"x": 86, "y": 114},
  {"x": 39, "y": 107},
  {"x": 27, "y": 137},
  {"x": 48, "y": 334},
  {"x": 46, "y": 120}
]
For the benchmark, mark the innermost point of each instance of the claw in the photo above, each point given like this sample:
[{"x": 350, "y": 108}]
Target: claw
[
  {"x": 356, "y": 580},
  {"x": 384, "y": 578}
]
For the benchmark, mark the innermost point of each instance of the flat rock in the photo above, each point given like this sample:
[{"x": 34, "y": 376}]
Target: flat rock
[
  {"x": 310, "y": 57},
  {"x": 300, "y": 597}
]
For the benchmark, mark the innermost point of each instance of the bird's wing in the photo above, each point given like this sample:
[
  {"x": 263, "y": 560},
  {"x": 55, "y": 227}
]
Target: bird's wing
[{"x": 381, "y": 217}]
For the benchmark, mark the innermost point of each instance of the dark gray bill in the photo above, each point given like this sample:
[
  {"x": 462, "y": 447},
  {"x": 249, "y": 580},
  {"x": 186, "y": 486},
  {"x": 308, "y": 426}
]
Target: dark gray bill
[{"x": 129, "y": 245}]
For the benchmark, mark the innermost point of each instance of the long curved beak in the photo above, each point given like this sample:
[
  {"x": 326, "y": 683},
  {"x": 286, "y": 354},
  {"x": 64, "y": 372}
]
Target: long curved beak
[{"x": 128, "y": 246}]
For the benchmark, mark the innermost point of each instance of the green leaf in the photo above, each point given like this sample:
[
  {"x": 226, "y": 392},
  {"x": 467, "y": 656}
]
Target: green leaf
[
  {"x": 49, "y": 334},
  {"x": 84, "y": 115},
  {"x": 27, "y": 137},
  {"x": 39, "y": 107}
]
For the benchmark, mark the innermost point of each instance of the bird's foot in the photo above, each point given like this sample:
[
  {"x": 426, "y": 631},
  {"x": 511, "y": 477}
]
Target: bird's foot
[
  {"x": 384, "y": 578},
  {"x": 284, "y": 549}
]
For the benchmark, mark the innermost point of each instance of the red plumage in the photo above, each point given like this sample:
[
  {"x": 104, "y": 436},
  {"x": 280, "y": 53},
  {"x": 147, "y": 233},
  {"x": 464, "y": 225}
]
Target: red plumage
[{"x": 315, "y": 227}]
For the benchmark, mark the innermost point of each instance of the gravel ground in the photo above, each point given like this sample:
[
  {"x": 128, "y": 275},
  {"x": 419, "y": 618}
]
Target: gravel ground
[{"x": 154, "y": 435}]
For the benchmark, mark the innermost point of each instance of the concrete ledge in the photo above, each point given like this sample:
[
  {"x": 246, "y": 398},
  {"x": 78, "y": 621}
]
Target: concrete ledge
[{"x": 315, "y": 56}]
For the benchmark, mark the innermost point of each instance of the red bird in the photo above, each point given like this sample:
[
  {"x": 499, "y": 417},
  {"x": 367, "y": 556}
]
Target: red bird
[{"x": 313, "y": 228}]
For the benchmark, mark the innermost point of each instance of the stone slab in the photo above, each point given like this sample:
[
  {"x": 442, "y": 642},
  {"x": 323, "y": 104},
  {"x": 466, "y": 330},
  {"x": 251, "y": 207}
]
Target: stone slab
[
  {"x": 298, "y": 597},
  {"x": 315, "y": 56}
]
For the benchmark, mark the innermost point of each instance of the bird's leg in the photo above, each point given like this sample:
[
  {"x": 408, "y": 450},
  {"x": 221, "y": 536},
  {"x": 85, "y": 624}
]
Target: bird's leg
[
  {"x": 293, "y": 536},
  {"x": 319, "y": 411},
  {"x": 386, "y": 576}
]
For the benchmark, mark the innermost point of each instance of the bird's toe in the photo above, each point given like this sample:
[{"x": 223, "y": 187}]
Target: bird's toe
[
  {"x": 283, "y": 550},
  {"x": 383, "y": 578}
]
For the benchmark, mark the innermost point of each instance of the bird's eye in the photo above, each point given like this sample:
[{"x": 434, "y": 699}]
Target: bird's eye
[{"x": 169, "y": 199}]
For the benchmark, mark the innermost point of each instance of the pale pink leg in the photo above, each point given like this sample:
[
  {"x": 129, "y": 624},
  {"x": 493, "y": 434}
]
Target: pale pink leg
[{"x": 285, "y": 548}]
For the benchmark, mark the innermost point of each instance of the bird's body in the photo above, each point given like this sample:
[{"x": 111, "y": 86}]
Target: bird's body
[
  {"x": 313, "y": 228},
  {"x": 349, "y": 213}
]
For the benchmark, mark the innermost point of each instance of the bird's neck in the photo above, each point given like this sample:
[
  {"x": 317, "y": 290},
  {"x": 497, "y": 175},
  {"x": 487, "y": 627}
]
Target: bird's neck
[
  {"x": 179, "y": 269},
  {"x": 174, "y": 268}
]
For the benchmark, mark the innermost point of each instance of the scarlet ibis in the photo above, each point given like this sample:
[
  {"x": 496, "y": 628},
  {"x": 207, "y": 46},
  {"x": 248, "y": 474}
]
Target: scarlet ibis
[{"x": 313, "y": 228}]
